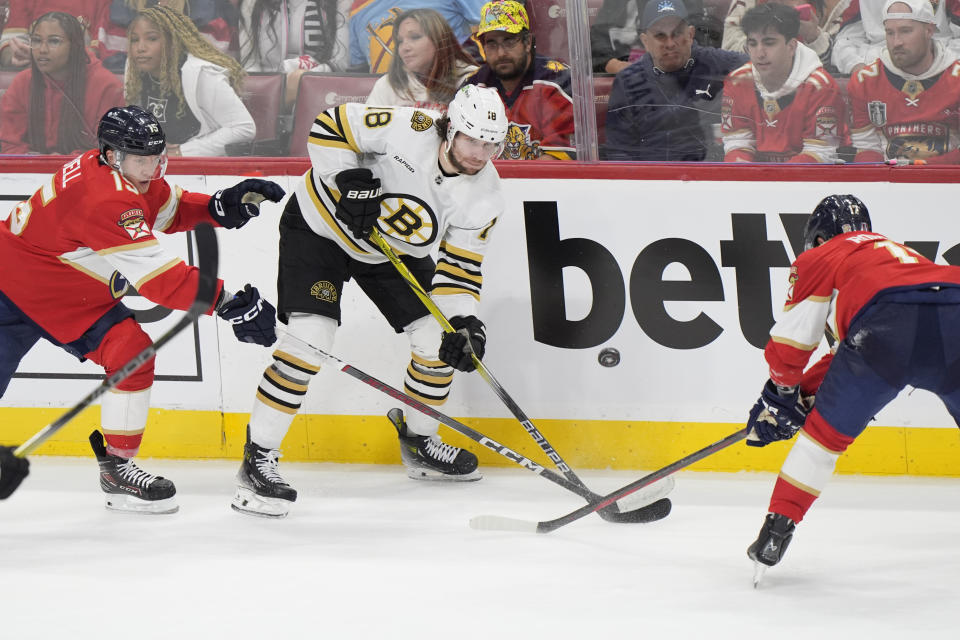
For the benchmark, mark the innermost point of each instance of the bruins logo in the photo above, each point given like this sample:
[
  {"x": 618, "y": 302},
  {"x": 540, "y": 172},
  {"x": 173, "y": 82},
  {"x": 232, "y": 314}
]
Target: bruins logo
[
  {"x": 324, "y": 291},
  {"x": 518, "y": 146},
  {"x": 408, "y": 218},
  {"x": 420, "y": 121}
]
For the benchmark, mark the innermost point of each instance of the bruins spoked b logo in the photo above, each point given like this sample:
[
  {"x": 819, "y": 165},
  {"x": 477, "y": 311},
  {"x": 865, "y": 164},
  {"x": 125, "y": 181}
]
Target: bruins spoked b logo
[{"x": 408, "y": 218}]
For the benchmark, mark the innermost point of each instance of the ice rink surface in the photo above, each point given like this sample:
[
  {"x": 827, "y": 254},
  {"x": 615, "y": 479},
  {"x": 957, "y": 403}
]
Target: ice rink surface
[{"x": 367, "y": 553}]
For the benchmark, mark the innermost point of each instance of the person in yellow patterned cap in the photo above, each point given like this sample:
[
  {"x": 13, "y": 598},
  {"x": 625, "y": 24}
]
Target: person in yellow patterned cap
[{"x": 535, "y": 89}]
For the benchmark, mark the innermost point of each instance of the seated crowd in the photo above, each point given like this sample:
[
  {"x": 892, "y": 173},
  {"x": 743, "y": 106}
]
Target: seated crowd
[{"x": 792, "y": 81}]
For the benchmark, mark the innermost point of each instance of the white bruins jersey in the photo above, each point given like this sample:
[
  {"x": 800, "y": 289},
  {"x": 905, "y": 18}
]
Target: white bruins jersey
[{"x": 421, "y": 208}]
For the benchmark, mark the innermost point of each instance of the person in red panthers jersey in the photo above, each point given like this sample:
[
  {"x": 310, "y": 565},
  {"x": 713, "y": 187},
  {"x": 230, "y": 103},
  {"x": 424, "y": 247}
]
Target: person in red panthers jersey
[
  {"x": 906, "y": 104},
  {"x": 76, "y": 246},
  {"x": 895, "y": 317},
  {"x": 782, "y": 106},
  {"x": 535, "y": 89}
]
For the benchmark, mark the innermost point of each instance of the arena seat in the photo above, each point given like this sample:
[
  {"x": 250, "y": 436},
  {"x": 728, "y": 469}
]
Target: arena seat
[
  {"x": 262, "y": 93},
  {"x": 548, "y": 24},
  {"x": 320, "y": 91},
  {"x": 602, "y": 85}
]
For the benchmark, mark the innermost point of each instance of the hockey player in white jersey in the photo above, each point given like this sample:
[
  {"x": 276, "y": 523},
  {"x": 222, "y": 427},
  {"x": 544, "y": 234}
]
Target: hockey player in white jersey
[{"x": 425, "y": 181}]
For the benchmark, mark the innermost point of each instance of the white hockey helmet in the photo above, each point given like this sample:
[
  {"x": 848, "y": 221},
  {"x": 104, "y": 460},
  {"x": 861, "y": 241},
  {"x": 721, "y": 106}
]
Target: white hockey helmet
[{"x": 477, "y": 112}]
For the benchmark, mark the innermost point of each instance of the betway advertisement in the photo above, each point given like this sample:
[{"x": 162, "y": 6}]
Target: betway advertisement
[{"x": 603, "y": 299}]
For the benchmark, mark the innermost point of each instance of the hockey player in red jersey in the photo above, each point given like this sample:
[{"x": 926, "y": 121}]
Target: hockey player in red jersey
[
  {"x": 782, "y": 106},
  {"x": 906, "y": 105},
  {"x": 896, "y": 319},
  {"x": 85, "y": 238}
]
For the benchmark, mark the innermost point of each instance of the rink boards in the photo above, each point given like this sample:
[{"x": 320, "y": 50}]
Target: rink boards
[{"x": 682, "y": 270}]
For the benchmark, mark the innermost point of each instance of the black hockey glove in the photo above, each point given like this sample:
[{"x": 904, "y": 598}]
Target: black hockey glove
[
  {"x": 454, "y": 350},
  {"x": 253, "y": 318},
  {"x": 359, "y": 204},
  {"x": 12, "y": 471},
  {"x": 775, "y": 416},
  {"x": 233, "y": 207}
]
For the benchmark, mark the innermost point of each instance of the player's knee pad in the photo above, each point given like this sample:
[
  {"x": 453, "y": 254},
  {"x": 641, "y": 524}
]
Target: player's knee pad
[
  {"x": 425, "y": 336},
  {"x": 295, "y": 361},
  {"x": 120, "y": 344}
]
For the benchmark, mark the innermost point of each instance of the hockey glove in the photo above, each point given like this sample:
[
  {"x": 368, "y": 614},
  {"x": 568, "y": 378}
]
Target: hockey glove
[
  {"x": 775, "y": 416},
  {"x": 12, "y": 471},
  {"x": 232, "y": 208},
  {"x": 253, "y": 319},
  {"x": 359, "y": 204},
  {"x": 456, "y": 347}
]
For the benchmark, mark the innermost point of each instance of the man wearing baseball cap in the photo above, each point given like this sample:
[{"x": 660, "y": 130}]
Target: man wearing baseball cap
[
  {"x": 663, "y": 106},
  {"x": 905, "y": 103},
  {"x": 535, "y": 89}
]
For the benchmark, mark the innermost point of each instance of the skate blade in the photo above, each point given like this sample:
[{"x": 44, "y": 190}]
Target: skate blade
[
  {"x": 429, "y": 475},
  {"x": 130, "y": 504},
  {"x": 647, "y": 495},
  {"x": 249, "y": 503},
  {"x": 758, "y": 570}
]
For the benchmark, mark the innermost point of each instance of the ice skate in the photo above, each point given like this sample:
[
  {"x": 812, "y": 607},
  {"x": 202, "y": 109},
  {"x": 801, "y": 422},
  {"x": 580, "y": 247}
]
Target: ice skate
[
  {"x": 769, "y": 547},
  {"x": 428, "y": 458},
  {"x": 261, "y": 491},
  {"x": 130, "y": 488}
]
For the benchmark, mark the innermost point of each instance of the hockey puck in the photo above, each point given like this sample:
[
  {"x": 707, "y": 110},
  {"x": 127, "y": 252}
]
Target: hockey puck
[{"x": 609, "y": 357}]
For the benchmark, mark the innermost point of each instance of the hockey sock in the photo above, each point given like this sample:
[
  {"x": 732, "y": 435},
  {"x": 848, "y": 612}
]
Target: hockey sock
[
  {"x": 426, "y": 378},
  {"x": 123, "y": 417},
  {"x": 284, "y": 383}
]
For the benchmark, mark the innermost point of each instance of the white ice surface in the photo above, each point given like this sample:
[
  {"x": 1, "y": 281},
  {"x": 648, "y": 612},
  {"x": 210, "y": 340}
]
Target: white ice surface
[{"x": 367, "y": 553}]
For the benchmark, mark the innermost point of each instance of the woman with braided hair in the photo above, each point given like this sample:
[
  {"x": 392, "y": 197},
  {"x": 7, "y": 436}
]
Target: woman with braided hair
[
  {"x": 54, "y": 105},
  {"x": 188, "y": 85}
]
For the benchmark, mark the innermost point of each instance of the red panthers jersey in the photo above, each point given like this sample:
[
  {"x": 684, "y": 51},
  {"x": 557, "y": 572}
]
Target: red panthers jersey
[
  {"x": 893, "y": 117},
  {"x": 807, "y": 125},
  {"x": 829, "y": 285},
  {"x": 70, "y": 251}
]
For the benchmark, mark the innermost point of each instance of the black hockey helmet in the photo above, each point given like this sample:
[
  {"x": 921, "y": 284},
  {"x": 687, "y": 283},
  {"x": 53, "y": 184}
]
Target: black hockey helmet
[
  {"x": 834, "y": 215},
  {"x": 132, "y": 130}
]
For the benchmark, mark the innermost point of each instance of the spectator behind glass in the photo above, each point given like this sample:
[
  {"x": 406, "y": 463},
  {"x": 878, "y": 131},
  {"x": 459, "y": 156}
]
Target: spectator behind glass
[
  {"x": 189, "y": 86},
  {"x": 372, "y": 21},
  {"x": 906, "y": 104},
  {"x": 293, "y": 37},
  {"x": 428, "y": 64},
  {"x": 819, "y": 23},
  {"x": 535, "y": 89},
  {"x": 14, "y": 45},
  {"x": 782, "y": 106},
  {"x": 55, "y": 105},
  {"x": 861, "y": 39},
  {"x": 615, "y": 34},
  {"x": 206, "y": 14},
  {"x": 664, "y": 106}
]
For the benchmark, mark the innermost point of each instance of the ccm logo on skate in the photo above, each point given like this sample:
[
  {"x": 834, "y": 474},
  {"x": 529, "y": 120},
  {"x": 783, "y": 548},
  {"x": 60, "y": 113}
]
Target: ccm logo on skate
[{"x": 749, "y": 253}]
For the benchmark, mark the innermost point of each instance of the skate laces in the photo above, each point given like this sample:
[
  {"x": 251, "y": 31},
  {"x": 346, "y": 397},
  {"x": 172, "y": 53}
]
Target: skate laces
[
  {"x": 266, "y": 463},
  {"x": 135, "y": 475},
  {"x": 438, "y": 450}
]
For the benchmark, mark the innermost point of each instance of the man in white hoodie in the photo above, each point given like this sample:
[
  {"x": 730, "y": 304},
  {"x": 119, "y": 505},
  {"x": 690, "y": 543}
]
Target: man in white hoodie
[
  {"x": 782, "y": 106},
  {"x": 905, "y": 104}
]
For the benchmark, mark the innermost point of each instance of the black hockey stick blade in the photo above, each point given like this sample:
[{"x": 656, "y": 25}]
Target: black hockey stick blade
[
  {"x": 501, "y": 523},
  {"x": 208, "y": 263}
]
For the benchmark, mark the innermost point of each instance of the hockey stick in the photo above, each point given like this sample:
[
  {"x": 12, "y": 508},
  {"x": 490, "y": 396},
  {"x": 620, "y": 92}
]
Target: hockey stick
[
  {"x": 615, "y": 513},
  {"x": 501, "y": 523},
  {"x": 655, "y": 511},
  {"x": 208, "y": 259}
]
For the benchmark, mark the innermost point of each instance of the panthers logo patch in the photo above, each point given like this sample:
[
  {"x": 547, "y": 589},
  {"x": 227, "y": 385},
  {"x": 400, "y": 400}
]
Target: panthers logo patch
[
  {"x": 324, "y": 291},
  {"x": 420, "y": 121},
  {"x": 119, "y": 285},
  {"x": 133, "y": 222},
  {"x": 518, "y": 146}
]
